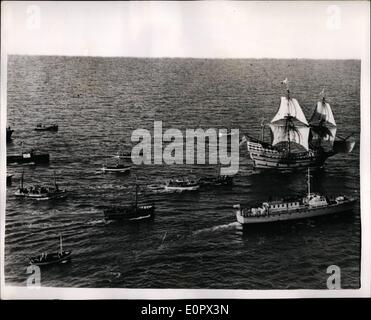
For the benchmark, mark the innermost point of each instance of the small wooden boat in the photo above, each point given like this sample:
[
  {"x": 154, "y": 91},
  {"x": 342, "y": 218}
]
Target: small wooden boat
[
  {"x": 182, "y": 185},
  {"x": 41, "y": 192},
  {"x": 9, "y": 133},
  {"x": 28, "y": 157},
  {"x": 221, "y": 180},
  {"x": 131, "y": 213},
  {"x": 45, "y": 259},
  {"x": 41, "y": 127},
  {"x": 119, "y": 167},
  {"x": 9, "y": 179}
]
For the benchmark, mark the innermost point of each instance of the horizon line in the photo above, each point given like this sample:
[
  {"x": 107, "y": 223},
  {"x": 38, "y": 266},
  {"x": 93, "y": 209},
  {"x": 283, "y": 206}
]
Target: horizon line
[{"x": 177, "y": 57}]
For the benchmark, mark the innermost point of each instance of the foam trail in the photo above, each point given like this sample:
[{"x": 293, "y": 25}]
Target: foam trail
[{"x": 217, "y": 228}]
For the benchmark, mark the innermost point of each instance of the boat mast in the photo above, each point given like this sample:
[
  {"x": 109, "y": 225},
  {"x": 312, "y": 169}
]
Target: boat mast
[
  {"x": 262, "y": 125},
  {"x": 308, "y": 181},
  {"x": 136, "y": 196},
  {"x": 55, "y": 180},
  {"x": 22, "y": 180},
  {"x": 60, "y": 243},
  {"x": 288, "y": 119}
]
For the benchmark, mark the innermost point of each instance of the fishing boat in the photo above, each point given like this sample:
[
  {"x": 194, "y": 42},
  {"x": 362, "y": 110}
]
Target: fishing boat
[
  {"x": 119, "y": 167},
  {"x": 295, "y": 142},
  {"x": 182, "y": 185},
  {"x": 220, "y": 180},
  {"x": 293, "y": 208},
  {"x": 9, "y": 133},
  {"x": 131, "y": 213},
  {"x": 28, "y": 157},
  {"x": 59, "y": 257},
  {"x": 9, "y": 179},
  {"x": 42, "y": 127},
  {"x": 40, "y": 192}
]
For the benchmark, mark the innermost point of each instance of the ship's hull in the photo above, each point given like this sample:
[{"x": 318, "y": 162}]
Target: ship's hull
[
  {"x": 116, "y": 169},
  {"x": 9, "y": 179},
  {"x": 9, "y": 135},
  {"x": 295, "y": 214},
  {"x": 268, "y": 158},
  {"x": 181, "y": 189},
  {"x": 130, "y": 214},
  {"x": 49, "y": 128},
  {"x": 53, "y": 258},
  {"x": 42, "y": 197},
  {"x": 35, "y": 158}
]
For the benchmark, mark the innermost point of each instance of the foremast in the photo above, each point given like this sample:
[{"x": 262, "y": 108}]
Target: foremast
[{"x": 322, "y": 124}]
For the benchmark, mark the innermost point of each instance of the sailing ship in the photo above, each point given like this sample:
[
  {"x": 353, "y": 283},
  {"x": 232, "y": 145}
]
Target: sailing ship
[
  {"x": 293, "y": 207},
  {"x": 42, "y": 127},
  {"x": 295, "y": 142},
  {"x": 44, "y": 259},
  {"x": 131, "y": 213},
  {"x": 40, "y": 192}
]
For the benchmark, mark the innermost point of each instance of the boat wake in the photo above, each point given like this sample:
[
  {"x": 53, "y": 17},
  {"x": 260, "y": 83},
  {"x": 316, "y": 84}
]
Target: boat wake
[{"x": 217, "y": 228}]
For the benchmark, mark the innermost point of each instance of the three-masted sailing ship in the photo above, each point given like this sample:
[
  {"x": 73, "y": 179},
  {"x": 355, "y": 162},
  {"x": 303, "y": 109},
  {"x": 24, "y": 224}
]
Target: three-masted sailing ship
[{"x": 295, "y": 142}]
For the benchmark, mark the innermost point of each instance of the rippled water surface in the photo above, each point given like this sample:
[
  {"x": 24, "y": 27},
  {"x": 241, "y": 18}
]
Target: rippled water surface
[{"x": 194, "y": 241}]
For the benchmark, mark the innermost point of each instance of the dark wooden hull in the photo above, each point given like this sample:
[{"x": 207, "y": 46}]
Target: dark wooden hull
[
  {"x": 9, "y": 179},
  {"x": 268, "y": 158},
  {"x": 49, "y": 128},
  {"x": 9, "y": 135},
  {"x": 216, "y": 181},
  {"x": 50, "y": 259},
  {"x": 35, "y": 158}
]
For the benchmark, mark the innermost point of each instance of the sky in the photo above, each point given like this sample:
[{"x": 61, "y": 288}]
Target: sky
[{"x": 208, "y": 29}]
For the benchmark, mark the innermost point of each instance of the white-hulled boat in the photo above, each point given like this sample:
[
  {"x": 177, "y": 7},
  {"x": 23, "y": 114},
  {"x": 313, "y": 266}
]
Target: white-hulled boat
[
  {"x": 119, "y": 167},
  {"x": 41, "y": 192},
  {"x": 312, "y": 205},
  {"x": 182, "y": 185}
]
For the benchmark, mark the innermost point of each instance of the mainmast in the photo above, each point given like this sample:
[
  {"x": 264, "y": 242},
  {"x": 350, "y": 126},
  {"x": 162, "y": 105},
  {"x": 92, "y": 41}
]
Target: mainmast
[
  {"x": 21, "y": 186},
  {"x": 262, "y": 125},
  {"x": 289, "y": 124},
  {"x": 136, "y": 195},
  {"x": 308, "y": 181}
]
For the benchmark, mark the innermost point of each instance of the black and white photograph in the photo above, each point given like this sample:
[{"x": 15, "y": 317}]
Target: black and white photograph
[{"x": 213, "y": 148}]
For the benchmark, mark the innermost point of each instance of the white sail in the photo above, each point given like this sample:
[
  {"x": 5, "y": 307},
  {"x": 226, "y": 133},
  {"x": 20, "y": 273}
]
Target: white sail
[
  {"x": 327, "y": 136},
  {"x": 280, "y": 134},
  {"x": 323, "y": 114},
  {"x": 290, "y": 108}
]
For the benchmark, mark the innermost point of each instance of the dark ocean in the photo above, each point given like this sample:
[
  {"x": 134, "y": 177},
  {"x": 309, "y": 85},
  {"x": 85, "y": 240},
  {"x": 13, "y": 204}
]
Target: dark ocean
[{"x": 194, "y": 241}]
